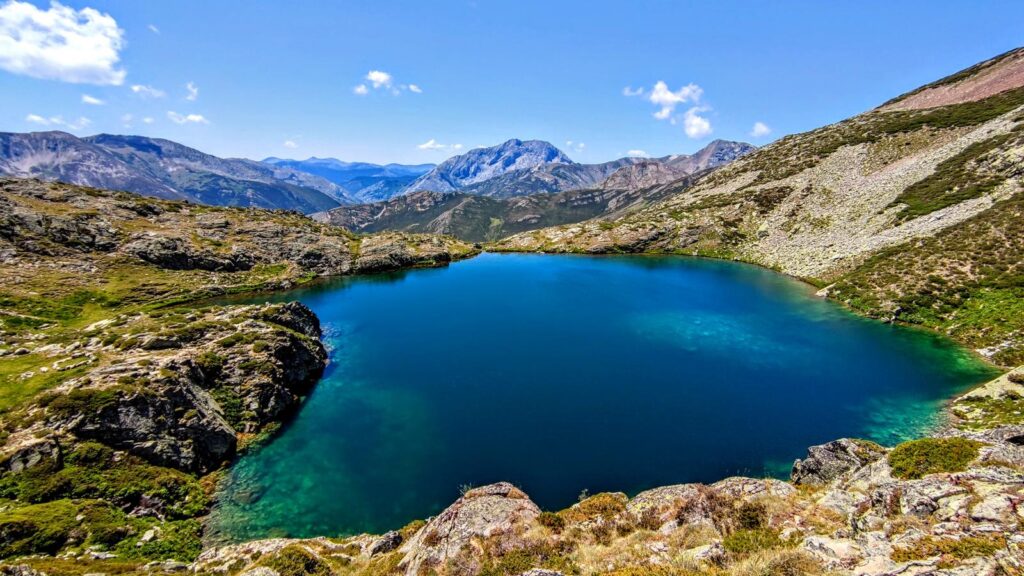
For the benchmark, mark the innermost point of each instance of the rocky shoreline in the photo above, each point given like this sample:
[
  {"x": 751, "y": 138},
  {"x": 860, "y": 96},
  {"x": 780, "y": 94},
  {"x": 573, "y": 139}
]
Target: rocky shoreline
[{"x": 948, "y": 505}]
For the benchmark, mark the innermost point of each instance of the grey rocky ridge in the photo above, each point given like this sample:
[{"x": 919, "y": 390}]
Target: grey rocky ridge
[
  {"x": 164, "y": 169},
  {"x": 546, "y": 194}
]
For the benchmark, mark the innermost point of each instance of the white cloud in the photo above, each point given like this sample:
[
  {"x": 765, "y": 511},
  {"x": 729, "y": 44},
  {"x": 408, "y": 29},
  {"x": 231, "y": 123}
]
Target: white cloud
[
  {"x": 695, "y": 125},
  {"x": 667, "y": 100},
  {"x": 147, "y": 91},
  {"x": 290, "y": 144},
  {"x": 193, "y": 91},
  {"x": 147, "y": 120},
  {"x": 760, "y": 130},
  {"x": 637, "y": 154},
  {"x": 86, "y": 99},
  {"x": 630, "y": 91},
  {"x": 59, "y": 121},
  {"x": 379, "y": 79},
  {"x": 126, "y": 119},
  {"x": 435, "y": 145},
  {"x": 153, "y": 29},
  {"x": 186, "y": 118},
  {"x": 575, "y": 146},
  {"x": 78, "y": 46}
]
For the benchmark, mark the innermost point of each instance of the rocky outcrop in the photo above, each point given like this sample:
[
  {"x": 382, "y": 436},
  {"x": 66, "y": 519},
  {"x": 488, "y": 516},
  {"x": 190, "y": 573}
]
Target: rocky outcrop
[
  {"x": 499, "y": 511},
  {"x": 827, "y": 462},
  {"x": 179, "y": 396}
]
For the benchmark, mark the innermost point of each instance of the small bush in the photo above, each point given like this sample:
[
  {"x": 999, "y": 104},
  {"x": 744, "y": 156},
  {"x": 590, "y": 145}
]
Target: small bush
[
  {"x": 604, "y": 505},
  {"x": 918, "y": 458},
  {"x": 752, "y": 515},
  {"x": 746, "y": 541},
  {"x": 295, "y": 560},
  {"x": 552, "y": 521}
]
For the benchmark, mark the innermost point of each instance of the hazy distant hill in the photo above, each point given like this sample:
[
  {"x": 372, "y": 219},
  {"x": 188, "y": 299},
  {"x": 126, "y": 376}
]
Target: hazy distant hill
[
  {"x": 362, "y": 181},
  {"x": 164, "y": 169}
]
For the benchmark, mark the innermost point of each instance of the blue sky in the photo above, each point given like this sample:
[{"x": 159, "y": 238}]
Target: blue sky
[{"x": 281, "y": 78}]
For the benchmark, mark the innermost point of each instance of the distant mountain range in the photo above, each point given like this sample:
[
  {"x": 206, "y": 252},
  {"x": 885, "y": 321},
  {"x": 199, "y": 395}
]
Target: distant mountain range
[
  {"x": 362, "y": 181},
  {"x": 164, "y": 169},
  {"x": 516, "y": 200}
]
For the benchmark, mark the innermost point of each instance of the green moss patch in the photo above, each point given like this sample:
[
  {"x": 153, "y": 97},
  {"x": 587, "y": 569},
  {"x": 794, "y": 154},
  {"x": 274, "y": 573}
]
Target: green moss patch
[{"x": 918, "y": 458}]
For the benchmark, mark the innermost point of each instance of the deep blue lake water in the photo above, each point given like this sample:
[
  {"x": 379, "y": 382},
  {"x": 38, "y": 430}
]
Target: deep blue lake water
[{"x": 564, "y": 373}]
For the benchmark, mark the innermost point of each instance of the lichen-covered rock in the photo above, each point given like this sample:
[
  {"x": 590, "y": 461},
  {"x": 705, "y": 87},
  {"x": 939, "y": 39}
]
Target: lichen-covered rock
[
  {"x": 497, "y": 510},
  {"x": 826, "y": 462}
]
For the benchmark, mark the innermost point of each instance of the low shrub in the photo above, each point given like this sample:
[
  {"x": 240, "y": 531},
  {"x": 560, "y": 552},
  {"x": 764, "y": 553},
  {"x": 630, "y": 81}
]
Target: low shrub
[{"x": 917, "y": 458}]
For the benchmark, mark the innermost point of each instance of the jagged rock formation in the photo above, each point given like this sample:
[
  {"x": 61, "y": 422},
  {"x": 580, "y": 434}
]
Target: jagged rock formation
[
  {"x": 894, "y": 210},
  {"x": 482, "y": 164},
  {"x": 164, "y": 169}
]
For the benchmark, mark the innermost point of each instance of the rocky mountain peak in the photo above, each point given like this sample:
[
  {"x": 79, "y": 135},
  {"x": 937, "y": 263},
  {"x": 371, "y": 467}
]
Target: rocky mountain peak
[{"x": 482, "y": 164}]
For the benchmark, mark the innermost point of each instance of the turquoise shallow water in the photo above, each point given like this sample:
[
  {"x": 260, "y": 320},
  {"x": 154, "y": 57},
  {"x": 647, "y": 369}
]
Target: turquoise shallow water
[{"x": 564, "y": 373}]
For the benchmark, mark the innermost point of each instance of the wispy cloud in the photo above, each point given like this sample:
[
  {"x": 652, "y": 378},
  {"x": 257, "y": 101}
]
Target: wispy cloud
[
  {"x": 193, "y": 92},
  {"x": 695, "y": 125},
  {"x": 577, "y": 147},
  {"x": 148, "y": 120},
  {"x": 58, "y": 121},
  {"x": 435, "y": 145},
  {"x": 147, "y": 91},
  {"x": 380, "y": 80},
  {"x": 61, "y": 43},
  {"x": 153, "y": 29},
  {"x": 186, "y": 118},
  {"x": 760, "y": 130},
  {"x": 637, "y": 154},
  {"x": 291, "y": 144},
  {"x": 667, "y": 100},
  {"x": 86, "y": 99}
]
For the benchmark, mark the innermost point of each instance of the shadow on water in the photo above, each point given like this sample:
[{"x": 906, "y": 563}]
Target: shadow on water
[{"x": 563, "y": 373}]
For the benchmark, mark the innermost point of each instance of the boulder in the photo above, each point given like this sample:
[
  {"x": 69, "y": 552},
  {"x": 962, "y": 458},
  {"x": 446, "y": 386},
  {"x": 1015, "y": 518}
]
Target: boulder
[
  {"x": 481, "y": 513},
  {"x": 826, "y": 462}
]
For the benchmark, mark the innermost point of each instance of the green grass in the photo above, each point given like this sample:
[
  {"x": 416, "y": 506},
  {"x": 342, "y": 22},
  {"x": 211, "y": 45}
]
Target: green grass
[
  {"x": 918, "y": 458},
  {"x": 982, "y": 413},
  {"x": 91, "y": 471},
  {"x": 750, "y": 540},
  {"x": 961, "y": 549},
  {"x": 955, "y": 180}
]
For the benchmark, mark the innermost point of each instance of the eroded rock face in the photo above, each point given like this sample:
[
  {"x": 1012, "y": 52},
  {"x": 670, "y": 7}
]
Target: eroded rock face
[
  {"x": 826, "y": 462},
  {"x": 497, "y": 510},
  {"x": 182, "y": 403}
]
